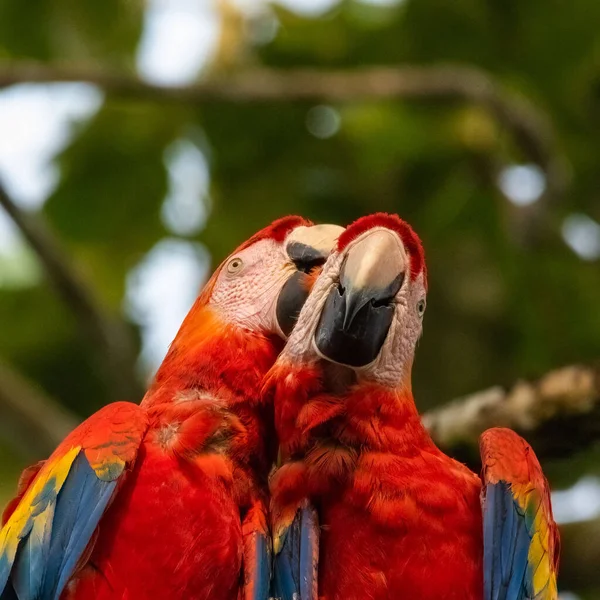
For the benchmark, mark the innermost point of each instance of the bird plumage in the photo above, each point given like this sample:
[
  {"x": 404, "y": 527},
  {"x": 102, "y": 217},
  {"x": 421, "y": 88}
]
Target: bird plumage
[
  {"x": 397, "y": 518},
  {"x": 518, "y": 521},
  {"x": 169, "y": 499}
]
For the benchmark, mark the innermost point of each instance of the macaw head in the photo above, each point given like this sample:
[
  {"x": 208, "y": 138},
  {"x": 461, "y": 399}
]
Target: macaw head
[
  {"x": 264, "y": 283},
  {"x": 261, "y": 287},
  {"x": 365, "y": 313},
  {"x": 251, "y": 302}
]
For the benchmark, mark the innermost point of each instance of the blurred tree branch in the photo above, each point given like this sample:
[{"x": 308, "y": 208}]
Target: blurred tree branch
[
  {"x": 528, "y": 125},
  {"x": 33, "y": 422},
  {"x": 558, "y": 414},
  {"x": 109, "y": 334}
]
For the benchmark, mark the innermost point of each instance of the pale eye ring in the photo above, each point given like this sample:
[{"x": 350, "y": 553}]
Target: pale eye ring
[
  {"x": 235, "y": 265},
  {"x": 421, "y": 307}
]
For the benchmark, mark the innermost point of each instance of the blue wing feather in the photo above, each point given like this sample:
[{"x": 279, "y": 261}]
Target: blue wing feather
[
  {"x": 506, "y": 545},
  {"x": 28, "y": 569},
  {"x": 284, "y": 585},
  {"x": 80, "y": 506},
  {"x": 5, "y": 567},
  {"x": 295, "y": 565},
  {"x": 9, "y": 593},
  {"x": 262, "y": 574},
  {"x": 309, "y": 540},
  {"x": 48, "y": 551}
]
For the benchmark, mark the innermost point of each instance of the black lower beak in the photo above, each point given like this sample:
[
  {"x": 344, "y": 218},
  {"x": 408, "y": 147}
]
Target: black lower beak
[
  {"x": 291, "y": 299},
  {"x": 354, "y": 324}
]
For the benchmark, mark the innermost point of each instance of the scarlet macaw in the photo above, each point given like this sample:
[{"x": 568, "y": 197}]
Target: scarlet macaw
[
  {"x": 167, "y": 499},
  {"x": 399, "y": 519}
]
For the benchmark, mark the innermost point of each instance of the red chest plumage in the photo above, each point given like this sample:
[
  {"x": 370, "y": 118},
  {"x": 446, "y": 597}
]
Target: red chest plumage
[
  {"x": 399, "y": 519},
  {"x": 405, "y": 528},
  {"x": 188, "y": 550}
]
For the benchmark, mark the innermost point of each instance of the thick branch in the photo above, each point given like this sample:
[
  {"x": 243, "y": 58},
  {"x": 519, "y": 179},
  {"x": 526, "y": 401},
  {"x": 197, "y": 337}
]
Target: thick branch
[
  {"x": 558, "y": 414},
  {"x": 530, "y": 128},
  {"x": 34, "y": 423},
  {"x": 109, "y": 335}
]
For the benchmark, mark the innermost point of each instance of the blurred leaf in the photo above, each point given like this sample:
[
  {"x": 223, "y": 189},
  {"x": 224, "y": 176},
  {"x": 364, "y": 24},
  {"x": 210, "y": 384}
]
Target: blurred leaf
[
  {"x": 10, "y": 469},
  {"x": 41, "y": 340},
  {"x": 49, "y": 29},
  {"x": 107, "y": 205}
]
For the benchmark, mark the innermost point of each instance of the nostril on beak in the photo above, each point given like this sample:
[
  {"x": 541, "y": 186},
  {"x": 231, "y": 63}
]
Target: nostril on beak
[{"x": 378, "y": 303}]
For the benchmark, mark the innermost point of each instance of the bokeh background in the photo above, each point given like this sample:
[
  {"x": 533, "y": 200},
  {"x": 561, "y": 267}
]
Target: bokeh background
[{"x": 140, "y": 141}]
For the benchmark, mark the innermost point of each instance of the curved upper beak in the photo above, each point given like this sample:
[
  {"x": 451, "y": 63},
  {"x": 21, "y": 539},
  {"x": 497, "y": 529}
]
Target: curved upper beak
[
  {"x": 358, "y": 312},
  {"x": 307, "y": 248}
]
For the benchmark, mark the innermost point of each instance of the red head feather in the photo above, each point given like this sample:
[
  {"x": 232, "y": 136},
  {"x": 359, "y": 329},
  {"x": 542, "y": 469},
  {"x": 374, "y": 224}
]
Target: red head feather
[
  {"x": 409, "y": 238},
  {"x": 277, "y": 230}
]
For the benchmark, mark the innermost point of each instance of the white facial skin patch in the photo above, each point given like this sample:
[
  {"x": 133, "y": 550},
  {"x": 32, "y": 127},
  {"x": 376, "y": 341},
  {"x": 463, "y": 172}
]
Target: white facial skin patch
[{"x": 248, "y": 286}]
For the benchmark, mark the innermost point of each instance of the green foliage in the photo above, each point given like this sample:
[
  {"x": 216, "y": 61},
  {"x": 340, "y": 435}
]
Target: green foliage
[
  {"x": 107, "y": 204},
  {"x": 104, "y": 31},
  {"x": 40, "y": 337},
  {"x": 10, "y": 468}
]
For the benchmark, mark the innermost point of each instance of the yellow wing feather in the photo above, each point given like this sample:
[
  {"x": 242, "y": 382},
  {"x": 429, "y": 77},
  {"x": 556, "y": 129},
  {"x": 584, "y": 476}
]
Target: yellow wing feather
[{"x": 36, "y": 510}]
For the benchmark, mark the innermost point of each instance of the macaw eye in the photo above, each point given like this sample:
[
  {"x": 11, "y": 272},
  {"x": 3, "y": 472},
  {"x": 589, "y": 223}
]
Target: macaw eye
[
  {"x": 235, "y": 265},
  {"x": 421, "y": 307}
]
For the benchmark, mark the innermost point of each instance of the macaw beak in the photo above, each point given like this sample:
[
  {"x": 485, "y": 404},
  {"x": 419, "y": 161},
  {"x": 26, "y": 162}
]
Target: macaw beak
[
  {"x": 358, "y": 312},
  {"x": 307, "y": 248}
]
